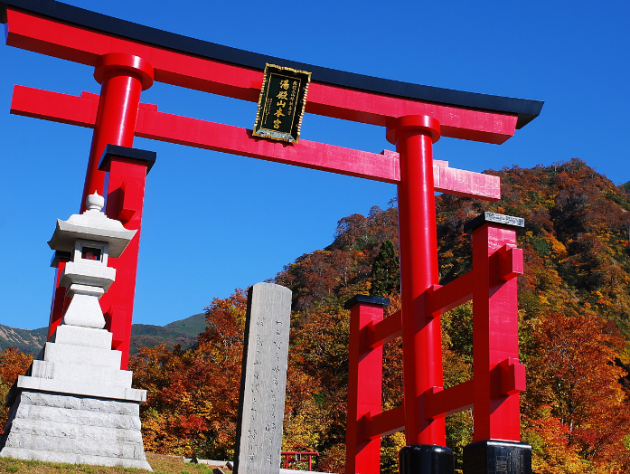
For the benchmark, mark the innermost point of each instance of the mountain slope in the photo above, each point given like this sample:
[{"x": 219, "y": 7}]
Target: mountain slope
[
  {"x": 26, "y": 340},
  {"x": 183, "y": 332}
]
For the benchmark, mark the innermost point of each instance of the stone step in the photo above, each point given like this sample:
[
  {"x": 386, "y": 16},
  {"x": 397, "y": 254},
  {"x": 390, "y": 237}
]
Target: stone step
[
  {"x": 83, "y": 355},
  {"x": 80, "y": 388},
  {"x": 75, "y": 446},
  {"x": 119, "y": 407},
  {"x": 103, "y": 376},
  {"x": 28, "y": 427},
  {"x": 45, "y": 414},
  {"x": 79, "y": 336}
]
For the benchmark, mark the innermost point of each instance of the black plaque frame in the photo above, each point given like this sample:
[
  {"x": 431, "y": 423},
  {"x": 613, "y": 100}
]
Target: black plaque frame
[{"x": 281, "y": 104}]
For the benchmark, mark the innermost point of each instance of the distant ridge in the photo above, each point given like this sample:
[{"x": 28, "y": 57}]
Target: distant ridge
[
  {"x": 183, "y": 332},
  {"x": 26, "y": 340}
]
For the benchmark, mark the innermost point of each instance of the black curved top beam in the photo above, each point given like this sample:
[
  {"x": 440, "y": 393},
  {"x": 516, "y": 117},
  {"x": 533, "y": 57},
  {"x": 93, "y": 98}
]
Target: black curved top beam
[{"x": 525, "y": 109}]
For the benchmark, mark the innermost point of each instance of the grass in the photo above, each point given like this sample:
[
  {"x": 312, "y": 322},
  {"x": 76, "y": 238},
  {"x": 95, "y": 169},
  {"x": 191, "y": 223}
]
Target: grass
[{"x": 160, "y": 464}]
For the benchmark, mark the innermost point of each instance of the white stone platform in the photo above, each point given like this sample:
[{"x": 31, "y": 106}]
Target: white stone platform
[
  {"x": 74, "y": 429},
  {"x": 75, "y": 405}
]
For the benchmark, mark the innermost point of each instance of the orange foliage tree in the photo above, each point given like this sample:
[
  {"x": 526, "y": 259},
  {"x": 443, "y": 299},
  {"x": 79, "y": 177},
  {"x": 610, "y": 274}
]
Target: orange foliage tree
[
  {"x": 13, "y": 363},
  {"x": 576, "y": 408},
  {"x": 192, "y": 399}
]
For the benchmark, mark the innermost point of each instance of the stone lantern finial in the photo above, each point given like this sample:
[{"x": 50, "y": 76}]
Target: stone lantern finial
[{"x": 95, "y": 202}]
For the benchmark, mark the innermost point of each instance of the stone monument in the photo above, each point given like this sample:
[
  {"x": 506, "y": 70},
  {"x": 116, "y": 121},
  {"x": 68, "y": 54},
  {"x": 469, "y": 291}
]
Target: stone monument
[
  {"x": 75, "y": 405},
  {"x": 263, "y": 380}
]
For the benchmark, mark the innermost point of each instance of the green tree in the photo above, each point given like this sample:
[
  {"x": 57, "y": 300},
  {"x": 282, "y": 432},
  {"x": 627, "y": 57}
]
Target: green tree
[{"x": 385, "y": 274}]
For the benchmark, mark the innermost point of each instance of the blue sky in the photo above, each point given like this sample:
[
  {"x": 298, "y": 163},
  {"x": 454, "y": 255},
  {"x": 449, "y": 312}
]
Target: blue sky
[{"x": 216, "y": 222}]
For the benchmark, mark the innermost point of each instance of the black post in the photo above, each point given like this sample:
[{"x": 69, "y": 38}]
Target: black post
[
  {"x": 490, "y": 457},
  {"x": 426, "y": 459}
]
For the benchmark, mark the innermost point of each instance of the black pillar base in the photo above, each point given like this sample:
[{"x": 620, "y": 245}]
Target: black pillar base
[
  {"x": 426, "y": 459},
  {"x": 497, "y": 457}
]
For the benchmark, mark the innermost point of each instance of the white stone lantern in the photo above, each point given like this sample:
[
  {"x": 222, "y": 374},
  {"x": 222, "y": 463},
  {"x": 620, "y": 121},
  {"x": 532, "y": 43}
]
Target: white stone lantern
[
  {"x": 75, "y": 404},
  {"x": 90, "y": 238}
]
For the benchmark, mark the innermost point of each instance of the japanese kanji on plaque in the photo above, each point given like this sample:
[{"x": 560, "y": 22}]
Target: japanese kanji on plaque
[{"x": 281, "y": 104}]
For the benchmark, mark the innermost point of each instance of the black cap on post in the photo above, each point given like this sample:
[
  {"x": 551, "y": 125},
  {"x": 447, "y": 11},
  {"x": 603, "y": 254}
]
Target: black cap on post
[
  {"x": 136, "y": 154},
  {"x": 356, "y": 299},
  {"x": 493, "y": 218}
]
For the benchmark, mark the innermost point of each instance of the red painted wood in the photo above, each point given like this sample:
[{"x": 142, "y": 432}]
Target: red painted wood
[
  {"x": 59, "y": 300},
  {"x": 510, "y": 263},
  {"x": 383, "y": 167},
  {"x": 495, "y": 337},
  {"x": 446, "y": 402},
  {"x": 365, "y": 389},
  {"x": 86, "y": 46},
  {"x": 384, "y": 331},
  {"x": 63, "y": 108},
  {"x": 125, "y": 202},
  {"x": 513, "y": 378},
  {"x": 122, "y": 77},
  {"x": 309, "y": 454},
  {"x": 386, "y": 423},
  {"x": 422, "y": 350},
  {"x": 451, "y": 295}
]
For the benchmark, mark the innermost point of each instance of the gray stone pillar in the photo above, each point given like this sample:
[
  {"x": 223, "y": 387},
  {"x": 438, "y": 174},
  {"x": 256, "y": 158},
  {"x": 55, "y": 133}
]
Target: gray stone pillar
[{"x": 263, "y": 380}]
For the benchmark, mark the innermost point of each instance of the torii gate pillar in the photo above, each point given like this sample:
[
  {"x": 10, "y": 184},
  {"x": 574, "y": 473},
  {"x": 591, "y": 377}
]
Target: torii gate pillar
[
  {"x": 414, "y": 136},
  {"x": 123, "y": 77}
]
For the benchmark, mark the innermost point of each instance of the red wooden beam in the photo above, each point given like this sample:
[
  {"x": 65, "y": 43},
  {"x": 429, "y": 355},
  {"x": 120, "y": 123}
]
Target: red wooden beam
[
  {"x": 451, "y": 295},
  {"x": 85, "y": 46},
  {"x": 383, "y": 167},
  {"x": 384, "y": 331},
  {"x": 446, "y": 402},
  {"x": 385, "y": 423}
]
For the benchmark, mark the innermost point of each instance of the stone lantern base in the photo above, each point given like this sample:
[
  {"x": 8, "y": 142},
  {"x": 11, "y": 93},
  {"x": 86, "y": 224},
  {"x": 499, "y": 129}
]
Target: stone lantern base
[
  {"x": 73, "y": 429},
  {"x": 75, "y": 405}
]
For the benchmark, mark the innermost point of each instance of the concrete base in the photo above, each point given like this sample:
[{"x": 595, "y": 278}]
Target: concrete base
[
  {"x": 426, "y": 459},
  {"x": 489, "y": 457},
  {"x": 74, "y": 429},
  {"x": 75, "y": 405}
]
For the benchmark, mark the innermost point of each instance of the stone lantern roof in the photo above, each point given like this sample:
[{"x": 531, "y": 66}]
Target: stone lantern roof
[{"x": 91, "y": 225}]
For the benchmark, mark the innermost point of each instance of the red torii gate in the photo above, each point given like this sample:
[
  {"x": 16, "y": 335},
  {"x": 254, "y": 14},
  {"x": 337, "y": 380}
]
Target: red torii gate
[{"x": 127, "y": 59}]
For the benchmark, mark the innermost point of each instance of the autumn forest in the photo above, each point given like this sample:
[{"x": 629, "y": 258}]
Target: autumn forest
[{"x": 574, "y": 312}]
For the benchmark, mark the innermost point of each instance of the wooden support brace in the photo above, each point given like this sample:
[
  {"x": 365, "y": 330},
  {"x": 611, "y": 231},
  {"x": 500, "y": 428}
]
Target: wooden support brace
[
  {"x": 442, "y": 402},
  {"x": 384, "y": 331},
  {"x": 510, "y": 262},
  {"x": 386, "y": 422},
  {"x": 451, "y": 295},
  {"x": 512, "y": 376}
]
